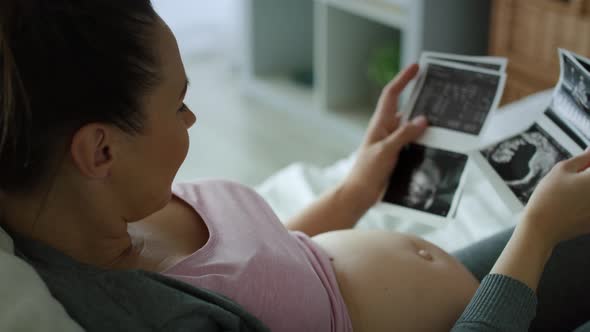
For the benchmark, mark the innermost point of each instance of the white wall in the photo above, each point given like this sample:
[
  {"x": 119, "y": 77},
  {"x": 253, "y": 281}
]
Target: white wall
[{"x": 203, "y": 26}]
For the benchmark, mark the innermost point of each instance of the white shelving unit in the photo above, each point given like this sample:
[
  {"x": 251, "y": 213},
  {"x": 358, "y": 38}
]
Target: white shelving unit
[{"x": 334, "y": 39}]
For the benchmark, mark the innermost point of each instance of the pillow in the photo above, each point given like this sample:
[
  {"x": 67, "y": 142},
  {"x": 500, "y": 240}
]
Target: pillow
[
  {"x": 25, "y": 302},
  {"x": 5, "y": 241}
]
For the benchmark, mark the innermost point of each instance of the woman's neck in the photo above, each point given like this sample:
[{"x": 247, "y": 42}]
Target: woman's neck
[{"x": 89, "y": 231}]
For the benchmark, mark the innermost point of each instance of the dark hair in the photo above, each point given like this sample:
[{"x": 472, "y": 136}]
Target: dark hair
[{"x": 64, "y": 64}]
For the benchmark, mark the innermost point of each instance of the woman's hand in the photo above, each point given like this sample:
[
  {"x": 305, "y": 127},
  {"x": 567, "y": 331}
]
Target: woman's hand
[
  {"x": 559, "y": 208},
  {"x": 385, "y": 137},
  {"x": 343, "y": 206}
]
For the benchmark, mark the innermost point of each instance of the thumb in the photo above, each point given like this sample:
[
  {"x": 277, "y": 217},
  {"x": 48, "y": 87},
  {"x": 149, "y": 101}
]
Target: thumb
[
  {"x": 407, "y": 133},
  {"x": 578, "y": 163}
]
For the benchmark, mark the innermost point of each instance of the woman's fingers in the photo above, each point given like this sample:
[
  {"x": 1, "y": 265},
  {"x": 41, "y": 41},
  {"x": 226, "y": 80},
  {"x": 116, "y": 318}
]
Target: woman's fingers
[
  {"x": 397, "y": 85},
  {"x": 389, "y": 96},
  {"x": 385, "y": 114},
  {"x": 394, "y": 124},
  {"x": 578, "y": 163},
  {"x": 406, "y": 134},
  {"x": 558, "y": 208}
]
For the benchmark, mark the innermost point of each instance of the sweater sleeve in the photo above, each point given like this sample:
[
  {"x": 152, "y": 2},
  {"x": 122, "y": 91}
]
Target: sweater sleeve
[{"x": 500, "y": 304}]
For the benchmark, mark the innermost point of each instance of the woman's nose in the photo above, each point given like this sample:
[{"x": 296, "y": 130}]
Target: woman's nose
[{"x": 189, "y": 118}]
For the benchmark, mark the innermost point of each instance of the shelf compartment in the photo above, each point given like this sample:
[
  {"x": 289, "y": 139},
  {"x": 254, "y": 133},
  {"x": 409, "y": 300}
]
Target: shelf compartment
[
  {"x": 280, "y": 36},
  {"x": 349, "y": 42},
  {"x": 390, "y": 14}
]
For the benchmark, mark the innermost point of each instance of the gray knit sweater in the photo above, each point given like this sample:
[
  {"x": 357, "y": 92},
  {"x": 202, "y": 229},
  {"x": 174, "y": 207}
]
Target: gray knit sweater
[{"x": 501, "y": 304}]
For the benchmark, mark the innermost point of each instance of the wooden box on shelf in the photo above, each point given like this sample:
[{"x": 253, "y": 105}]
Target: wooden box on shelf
[{"x": 529, "y": 32}]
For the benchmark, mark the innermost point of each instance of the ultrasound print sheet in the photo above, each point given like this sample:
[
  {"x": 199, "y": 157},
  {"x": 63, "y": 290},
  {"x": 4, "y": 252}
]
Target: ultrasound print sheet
[
  {"x": 514, "y": 166},
  {"x": 498, "y": 64},
  {"x": 426, "y": 185},
  {"x": 457, "y": 100},
  {"x": 584, "y": 62},
  {"x": 571, "y": 97}
]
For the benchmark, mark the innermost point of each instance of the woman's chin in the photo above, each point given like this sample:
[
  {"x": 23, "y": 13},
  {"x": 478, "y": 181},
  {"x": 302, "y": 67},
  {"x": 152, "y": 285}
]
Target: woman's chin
[
  {"x": 160, "y": 205},
  {"x": 166, "y": 200}
]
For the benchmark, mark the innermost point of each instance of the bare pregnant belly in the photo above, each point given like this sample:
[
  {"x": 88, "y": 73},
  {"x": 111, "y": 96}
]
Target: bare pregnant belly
[{"x": 396, "y": 282}]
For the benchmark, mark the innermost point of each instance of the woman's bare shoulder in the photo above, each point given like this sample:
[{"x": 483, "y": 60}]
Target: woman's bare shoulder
[{"x": 170, "y": 234}]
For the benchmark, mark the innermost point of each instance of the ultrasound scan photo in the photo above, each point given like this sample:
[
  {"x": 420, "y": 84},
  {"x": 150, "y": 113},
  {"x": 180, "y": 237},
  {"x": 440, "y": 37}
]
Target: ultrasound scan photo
[
  {"x": 456, "y": 99},
  {"x": 426, "y": 179},
  {"x": 483, "y": 65},
  {"x": 523, "y": 160},
  {"x": 575, "y": 86}
]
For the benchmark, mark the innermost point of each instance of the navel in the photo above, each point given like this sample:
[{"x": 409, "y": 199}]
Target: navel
[{"x": 425, "y": 254}]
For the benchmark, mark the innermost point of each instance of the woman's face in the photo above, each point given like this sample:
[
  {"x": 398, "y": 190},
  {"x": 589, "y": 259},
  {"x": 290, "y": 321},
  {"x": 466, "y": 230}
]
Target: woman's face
[{"x": 149, "y": 161}]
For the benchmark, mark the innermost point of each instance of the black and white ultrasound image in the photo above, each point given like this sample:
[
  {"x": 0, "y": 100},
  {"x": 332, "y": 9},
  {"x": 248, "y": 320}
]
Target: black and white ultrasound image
[
  {"x": 483, "y": 65},
  {"x": 571, "y": 100},
  {"x": 456, "y": 99},
  {"x": 576, "y": 84},
  {"x": 523, "y": 160},
  {"x": 426, "y": 179}
]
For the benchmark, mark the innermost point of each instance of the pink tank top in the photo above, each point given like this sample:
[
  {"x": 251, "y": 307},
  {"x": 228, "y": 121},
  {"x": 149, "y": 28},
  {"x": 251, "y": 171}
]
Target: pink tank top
[{"x": 283, "y": 278}]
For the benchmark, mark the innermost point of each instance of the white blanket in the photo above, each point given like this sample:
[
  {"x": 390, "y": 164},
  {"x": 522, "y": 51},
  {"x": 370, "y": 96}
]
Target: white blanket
[{"x": 480, "y": 213}]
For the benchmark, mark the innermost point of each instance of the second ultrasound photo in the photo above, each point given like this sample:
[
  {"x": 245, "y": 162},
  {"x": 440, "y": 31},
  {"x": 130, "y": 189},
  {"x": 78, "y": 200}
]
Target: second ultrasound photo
[
  {"x": 523, "y": 160},
  {"x": 426, "y": 179}
]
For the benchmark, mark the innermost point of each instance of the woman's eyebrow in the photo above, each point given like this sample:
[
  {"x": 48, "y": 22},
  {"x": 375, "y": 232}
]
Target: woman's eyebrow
[{"x": 186, "y": 84}]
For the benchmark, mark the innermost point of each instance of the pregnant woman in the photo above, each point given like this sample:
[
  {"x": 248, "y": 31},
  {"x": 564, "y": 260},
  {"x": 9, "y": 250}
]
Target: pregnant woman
[{"x": 93, "y": 129}]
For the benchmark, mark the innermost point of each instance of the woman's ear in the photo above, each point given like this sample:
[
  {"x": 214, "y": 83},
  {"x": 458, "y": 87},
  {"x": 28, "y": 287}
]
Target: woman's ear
[{"x": 91, "y": 150}]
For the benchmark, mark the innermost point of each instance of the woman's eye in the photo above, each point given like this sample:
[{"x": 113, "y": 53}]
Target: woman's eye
[{"x": 183, "y": 108}]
